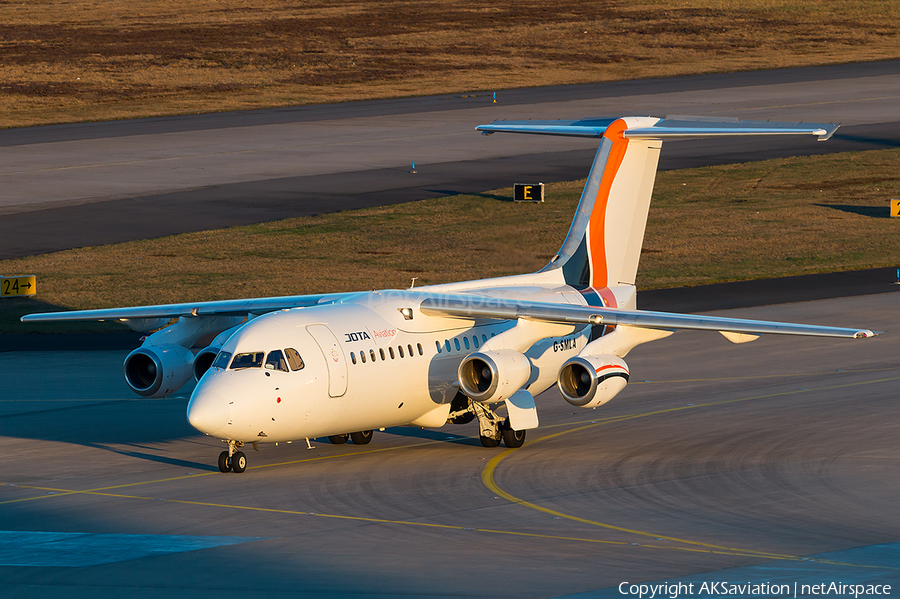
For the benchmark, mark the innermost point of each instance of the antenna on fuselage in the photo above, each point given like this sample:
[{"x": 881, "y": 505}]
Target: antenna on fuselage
[{"x": 413, "y": 282}]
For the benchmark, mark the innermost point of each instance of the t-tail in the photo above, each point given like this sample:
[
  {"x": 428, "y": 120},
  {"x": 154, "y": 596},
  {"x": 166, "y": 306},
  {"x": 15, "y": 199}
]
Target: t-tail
[{"x": 603, "y": 246}]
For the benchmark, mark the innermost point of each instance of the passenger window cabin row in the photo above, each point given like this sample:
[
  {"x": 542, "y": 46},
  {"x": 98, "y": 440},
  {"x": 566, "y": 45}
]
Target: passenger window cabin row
[
  {"x": 465, "y": 343},
  {"x": 372, "y": 356},
  {"x": 390, "y": 352}
]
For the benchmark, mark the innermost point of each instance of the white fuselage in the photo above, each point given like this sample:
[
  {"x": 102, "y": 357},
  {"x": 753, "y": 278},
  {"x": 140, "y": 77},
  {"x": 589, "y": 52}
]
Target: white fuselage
[{"x": 365, "y": 366}]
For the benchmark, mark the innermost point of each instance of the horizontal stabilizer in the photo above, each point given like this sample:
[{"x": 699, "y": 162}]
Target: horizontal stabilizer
[{"x": 678, "y": 127}]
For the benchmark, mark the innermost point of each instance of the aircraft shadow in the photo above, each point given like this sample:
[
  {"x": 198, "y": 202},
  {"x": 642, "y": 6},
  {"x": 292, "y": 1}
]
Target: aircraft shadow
[
  {"x": 486, "y": 196},
  {"x": 13, "y": 308},
  {"x": 869, "y": 140},
  {"x": 107, "y": 422},
  {"x": 870, "y": 211},
  {"x": 447, "y": 436},
  {"x": 151, "y": 457}
]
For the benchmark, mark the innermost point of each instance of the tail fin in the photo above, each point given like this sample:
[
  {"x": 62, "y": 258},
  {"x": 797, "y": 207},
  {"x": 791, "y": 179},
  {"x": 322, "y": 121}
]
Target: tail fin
[{"x": 603, "y": 246}]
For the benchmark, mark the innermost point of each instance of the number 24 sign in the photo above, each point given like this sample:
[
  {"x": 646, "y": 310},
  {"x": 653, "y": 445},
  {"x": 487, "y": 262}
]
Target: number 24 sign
[{"x": 12, "y": 286}]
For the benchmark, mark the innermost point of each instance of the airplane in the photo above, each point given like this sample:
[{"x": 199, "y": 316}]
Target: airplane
[{"x": 342, "y": 365}]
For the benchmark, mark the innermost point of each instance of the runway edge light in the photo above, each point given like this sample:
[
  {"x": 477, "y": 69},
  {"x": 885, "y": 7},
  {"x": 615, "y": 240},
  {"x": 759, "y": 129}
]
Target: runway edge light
[{"x": 18, "y": 286}]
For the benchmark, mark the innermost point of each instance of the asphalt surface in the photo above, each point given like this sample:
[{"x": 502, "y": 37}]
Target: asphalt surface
[
  {"x": 772, "y": 461},
  {"x": 96, "y": 183}
]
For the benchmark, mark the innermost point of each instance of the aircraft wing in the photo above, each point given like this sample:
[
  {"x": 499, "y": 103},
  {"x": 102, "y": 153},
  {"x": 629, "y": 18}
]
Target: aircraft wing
[
  {"x": 473, "y": 306},
  {"x": 671, "y": 127},
  {"x": 217, "y": 308}
]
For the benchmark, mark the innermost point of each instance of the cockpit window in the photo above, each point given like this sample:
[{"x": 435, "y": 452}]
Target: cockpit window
[
  {"x": 221, "y": 360},
  {"x": 248, "y": 360},
  {"x": 276, "y": 361},
  {"x": 294, "y": 359}
]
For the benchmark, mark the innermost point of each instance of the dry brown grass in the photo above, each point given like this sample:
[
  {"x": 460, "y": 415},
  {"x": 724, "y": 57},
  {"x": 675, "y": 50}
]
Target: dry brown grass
[
  {"x": 756, "y": 220},
  {"x": 84, "y": 60},
  {"x": 771, "y": 219}
]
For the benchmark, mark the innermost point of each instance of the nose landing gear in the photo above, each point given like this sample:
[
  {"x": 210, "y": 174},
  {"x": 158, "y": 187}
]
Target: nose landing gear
[{"x": 231, "y": 460}]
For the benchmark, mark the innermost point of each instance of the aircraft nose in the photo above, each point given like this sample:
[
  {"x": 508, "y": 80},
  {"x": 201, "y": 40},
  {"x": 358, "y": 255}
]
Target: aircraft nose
[{"x": 209, "y": 411}]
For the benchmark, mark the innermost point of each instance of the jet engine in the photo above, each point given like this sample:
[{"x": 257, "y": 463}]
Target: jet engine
[
  {"x": 204, "y": 359},
  {"x": 157, "y": 371},
  {"x": 591, "y": 381},
  {"x": 493, "y": 375}
]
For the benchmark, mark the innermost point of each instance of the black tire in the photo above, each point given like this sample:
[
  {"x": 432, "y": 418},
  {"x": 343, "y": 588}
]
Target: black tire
[
  {"x": 513, "y": 439},
  {"x": 239, "y": 461},
  {"x": 361, "y": 437},
  {"x": 338, "y": 439},
  {"x": 224, "y": 462},
  {"x": 490, "y": 442}
]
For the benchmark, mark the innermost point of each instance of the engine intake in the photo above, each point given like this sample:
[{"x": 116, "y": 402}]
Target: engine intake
[
  {"x": 203, "y": 361},
  {"x": 158, "y": 371},
  {"x": 591, "y": 381},
  {"x": 493, "y": 375}
]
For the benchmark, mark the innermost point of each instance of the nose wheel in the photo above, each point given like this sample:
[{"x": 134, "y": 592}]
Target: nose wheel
[
  {"x": 231, "y": 460},
  {"x": 224, "y": 462},
  {"x": 238, "y": 462}
]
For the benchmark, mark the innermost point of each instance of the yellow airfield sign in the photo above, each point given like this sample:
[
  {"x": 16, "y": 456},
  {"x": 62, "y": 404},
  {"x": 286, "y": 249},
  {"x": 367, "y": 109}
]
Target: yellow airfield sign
[{"x": 15, "y": 286}]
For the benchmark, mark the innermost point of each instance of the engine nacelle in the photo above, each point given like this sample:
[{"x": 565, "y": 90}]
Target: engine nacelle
[
  {"x": 158, "y": 371},
  {"x": 493, "y": 375},
  {"x": 591, "y": 381},
  {"x": 203, "y": 361}
]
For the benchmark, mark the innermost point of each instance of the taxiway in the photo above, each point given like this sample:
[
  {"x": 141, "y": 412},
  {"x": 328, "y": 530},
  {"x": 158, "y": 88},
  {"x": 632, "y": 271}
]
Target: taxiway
[
  {"x": 96, "y": 183},
  {"x": 716, "y": 457}
]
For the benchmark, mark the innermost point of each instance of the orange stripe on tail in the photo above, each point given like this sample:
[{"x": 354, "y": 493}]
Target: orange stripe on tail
[{"x": 597, "y": 226}]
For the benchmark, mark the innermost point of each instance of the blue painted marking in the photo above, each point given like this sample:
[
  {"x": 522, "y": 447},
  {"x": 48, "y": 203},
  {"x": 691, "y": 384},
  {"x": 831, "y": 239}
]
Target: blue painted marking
[
  {"x": 78, "y": 549},
  {"x": 872, "y": 564}
]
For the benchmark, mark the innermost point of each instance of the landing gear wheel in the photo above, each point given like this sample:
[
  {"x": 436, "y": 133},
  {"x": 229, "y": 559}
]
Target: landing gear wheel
[
  {"x": 361, "y": 437},
  {"x": 490, "y": 442},
  {"x": 224, "y": 462},
  {"x": 338, "y": 439},
  {"x": 513, "y": 439},
  {"x": 239, "y": 461}
]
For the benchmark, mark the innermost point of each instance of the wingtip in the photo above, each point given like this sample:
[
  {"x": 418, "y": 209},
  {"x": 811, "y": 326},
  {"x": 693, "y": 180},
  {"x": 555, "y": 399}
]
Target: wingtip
[{"x": 826, "y": 132}]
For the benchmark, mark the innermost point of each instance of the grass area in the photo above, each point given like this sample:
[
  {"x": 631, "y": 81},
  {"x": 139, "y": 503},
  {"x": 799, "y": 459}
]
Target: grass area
[
  {"x": 83, "y": 60},
  {"x": 722, "y": 223}
]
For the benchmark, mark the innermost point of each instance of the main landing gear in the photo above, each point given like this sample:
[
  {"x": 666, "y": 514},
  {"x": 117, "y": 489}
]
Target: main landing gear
[
  {"x": 492, "y": 428},
  {"x": 359, "y": 438},
  {"x": 231, "y": 460}
]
